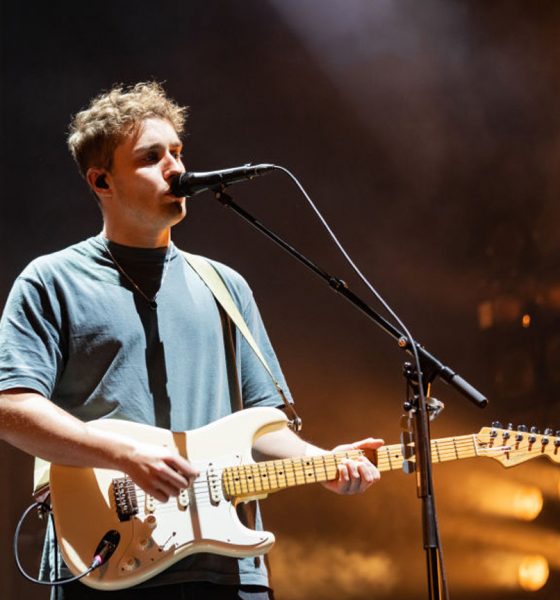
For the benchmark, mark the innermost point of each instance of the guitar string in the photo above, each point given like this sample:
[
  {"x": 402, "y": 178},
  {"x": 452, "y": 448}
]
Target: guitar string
[
  {"x": 443, "y": 450},
  {"x": 295, "y": 473},
  {"x": 256, "y": 485},
  {"x": 202, "y": 500},
  {"x": 448, "y": 450}
]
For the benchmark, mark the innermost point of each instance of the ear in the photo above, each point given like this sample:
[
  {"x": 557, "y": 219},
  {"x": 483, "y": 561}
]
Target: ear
[{"x": 99, "y": 182}]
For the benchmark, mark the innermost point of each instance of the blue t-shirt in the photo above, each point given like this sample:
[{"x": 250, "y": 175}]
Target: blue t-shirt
[{"x": 75, "y": 330}]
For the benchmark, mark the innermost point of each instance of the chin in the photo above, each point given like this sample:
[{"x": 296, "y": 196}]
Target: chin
[{"x": 178, "y": 210}]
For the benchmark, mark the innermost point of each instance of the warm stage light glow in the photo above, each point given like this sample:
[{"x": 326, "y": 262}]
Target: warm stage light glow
[
  {"x": 526, "y": 321},
  {"x": 527, "y": 503},
  {"x": 496, "y": 571},
  {"x": 543, "y": 474},
  {"x": 533, "y": 573},
  {"x": 510, "y": 499},
  {"x": 330, "y": 572}
]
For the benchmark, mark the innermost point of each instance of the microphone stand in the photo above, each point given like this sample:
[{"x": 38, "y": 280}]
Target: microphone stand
[{"x": 416, "y": 405}]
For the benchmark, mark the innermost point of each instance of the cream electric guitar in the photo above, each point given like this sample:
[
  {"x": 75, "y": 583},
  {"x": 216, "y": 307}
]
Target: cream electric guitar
[{"x": 90, "y": 505}]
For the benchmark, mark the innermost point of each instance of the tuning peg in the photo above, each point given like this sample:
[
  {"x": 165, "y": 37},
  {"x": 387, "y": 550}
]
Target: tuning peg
[
  {"x": 510, "y": 426},
  {"x": 548, "y": 431},
  {"x": 522, "y": 428},
  {"x": 532, "y": 435},
  {"x": 495, "y": 425},
  {"x": 557, "y": 436}
]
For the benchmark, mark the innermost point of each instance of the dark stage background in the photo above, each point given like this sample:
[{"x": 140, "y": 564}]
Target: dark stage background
[{"x": 429, "y": 135}]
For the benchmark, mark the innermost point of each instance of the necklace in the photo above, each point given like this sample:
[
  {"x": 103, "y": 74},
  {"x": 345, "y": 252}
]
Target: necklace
[{"x": 151, "y": 301}]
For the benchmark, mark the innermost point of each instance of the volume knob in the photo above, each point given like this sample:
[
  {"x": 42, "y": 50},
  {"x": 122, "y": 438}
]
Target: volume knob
[
  {"x": 151, "y": 521},
  {"x": 130, "y": 563}
]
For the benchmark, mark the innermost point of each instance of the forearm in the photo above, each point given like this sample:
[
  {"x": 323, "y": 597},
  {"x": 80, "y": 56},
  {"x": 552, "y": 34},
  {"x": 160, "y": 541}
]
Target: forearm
[
  {"x": 37, "y": 426},
  {"x": 283, "y": 444}
]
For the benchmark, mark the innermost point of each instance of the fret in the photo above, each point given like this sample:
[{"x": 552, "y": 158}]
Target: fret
[
  {"x": 299, "y": 471},
  {"x": 323, "y": 463},
  {"x": 475, "y": 444},
  {"x": 272, "y": 478},
  {"x": 310, "y": 471},
  {"x": 390, "y": 462},
  {"x": 437, "y": 455},
  {"x": 389, "y": 458},
  {"x": 254, "y": 477},
  {"x": 280, "y": 473}
]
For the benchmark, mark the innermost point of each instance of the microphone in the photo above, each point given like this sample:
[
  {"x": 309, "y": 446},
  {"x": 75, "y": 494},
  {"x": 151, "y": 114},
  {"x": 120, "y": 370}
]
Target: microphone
[{"x": 192, "y": 183}]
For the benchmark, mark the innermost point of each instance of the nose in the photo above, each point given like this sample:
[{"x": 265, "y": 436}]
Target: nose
[{"x": 173, "y": 166}]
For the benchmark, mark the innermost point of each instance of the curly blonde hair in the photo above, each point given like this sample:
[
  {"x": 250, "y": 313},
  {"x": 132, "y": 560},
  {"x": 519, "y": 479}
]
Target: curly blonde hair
[{"x": 96, "y": 131}]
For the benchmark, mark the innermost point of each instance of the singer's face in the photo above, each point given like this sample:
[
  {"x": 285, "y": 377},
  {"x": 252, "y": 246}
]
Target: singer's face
[{"x": 140, "y": 178}]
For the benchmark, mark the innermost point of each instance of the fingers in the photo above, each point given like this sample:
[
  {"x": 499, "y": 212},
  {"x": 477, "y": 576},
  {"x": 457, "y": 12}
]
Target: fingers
[
  {"x": 368, "y": 443},
  {"x": 180, "y": 471},
  {"x": 161, "y": 472},
  {"x": 354, "y": 477},
  {"x": 365, "y": 444},
  {"x": 161, "y": 491},
  {"x": 164, "y": 484},
  {"x": 176, "y": 474}
]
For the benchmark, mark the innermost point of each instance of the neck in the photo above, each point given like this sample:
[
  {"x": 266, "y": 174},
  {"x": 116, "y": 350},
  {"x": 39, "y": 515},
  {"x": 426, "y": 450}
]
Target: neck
[{"x": 136, "y": 238}]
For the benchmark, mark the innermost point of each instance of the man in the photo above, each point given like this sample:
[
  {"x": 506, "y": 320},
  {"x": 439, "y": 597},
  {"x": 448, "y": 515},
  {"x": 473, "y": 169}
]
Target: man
[{"x": 121, "y": 326}]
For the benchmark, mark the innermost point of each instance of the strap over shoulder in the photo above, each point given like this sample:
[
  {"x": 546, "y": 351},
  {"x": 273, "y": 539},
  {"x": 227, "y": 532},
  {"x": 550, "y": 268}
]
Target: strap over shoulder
[{"x": 216, "y": 285}]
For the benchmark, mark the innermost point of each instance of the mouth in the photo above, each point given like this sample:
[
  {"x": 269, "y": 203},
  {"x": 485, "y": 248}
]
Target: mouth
[{"x": 170, "y": 194}]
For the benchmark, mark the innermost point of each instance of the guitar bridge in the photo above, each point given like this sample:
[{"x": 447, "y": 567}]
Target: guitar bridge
[{"x": 126, "y": 502}]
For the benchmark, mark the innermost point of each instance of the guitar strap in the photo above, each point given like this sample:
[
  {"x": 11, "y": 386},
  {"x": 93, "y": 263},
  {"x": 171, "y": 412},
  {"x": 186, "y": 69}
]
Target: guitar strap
[
  {"x": 216, "y": 285},
  {"x": 204, "y": 269}
]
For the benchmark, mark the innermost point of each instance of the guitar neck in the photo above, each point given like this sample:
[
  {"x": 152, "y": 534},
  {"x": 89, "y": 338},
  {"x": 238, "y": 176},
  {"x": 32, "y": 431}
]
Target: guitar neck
[
  {"x": 271, "y": 476},
  {"x": 390, "y": 458}
]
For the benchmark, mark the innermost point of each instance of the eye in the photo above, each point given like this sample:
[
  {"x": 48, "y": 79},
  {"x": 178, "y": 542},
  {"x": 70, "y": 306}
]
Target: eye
[{"x": 151, "y": 157}]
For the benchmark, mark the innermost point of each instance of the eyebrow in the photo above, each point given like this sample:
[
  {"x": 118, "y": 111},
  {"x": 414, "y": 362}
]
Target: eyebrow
[{"x": 156, "y": 146}]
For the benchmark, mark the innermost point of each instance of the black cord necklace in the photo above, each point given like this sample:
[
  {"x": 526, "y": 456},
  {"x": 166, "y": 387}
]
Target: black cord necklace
[{"x": 152, "y": 302}]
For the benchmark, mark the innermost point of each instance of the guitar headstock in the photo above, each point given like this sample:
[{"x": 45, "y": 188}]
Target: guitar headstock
[{"x": 511, "y": 447}]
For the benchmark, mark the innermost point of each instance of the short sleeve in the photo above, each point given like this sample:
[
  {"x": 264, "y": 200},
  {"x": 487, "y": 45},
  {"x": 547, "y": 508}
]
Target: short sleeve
[
  {"x": 31, "y": 353},
  {"x": 257, "y": 386}
]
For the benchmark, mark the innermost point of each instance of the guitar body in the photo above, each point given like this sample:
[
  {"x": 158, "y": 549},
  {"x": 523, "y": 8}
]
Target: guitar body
[{"x": 88, "y": 503}]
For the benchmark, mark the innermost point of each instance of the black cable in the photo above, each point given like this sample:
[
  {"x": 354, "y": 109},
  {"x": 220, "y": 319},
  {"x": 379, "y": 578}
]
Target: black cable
[
  {"x": 56, "y": 588},
  {"x": 46, "y": 508}
]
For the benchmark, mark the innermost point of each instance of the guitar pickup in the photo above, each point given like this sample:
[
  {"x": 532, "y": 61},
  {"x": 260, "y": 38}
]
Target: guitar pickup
[
  {"x": 183, "y": 499},
  {"x": 126, "y": 502},
  {"x": 214, "y": 484}
]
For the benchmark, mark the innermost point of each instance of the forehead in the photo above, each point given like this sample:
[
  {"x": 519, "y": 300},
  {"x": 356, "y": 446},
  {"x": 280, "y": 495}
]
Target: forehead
[{"x": 150, "y": 132}]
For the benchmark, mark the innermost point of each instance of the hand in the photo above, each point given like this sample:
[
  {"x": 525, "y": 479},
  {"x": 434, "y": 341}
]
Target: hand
[
  {"x": 161, "y": 472},
  {"x": 355, "y": 476}
]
